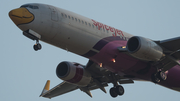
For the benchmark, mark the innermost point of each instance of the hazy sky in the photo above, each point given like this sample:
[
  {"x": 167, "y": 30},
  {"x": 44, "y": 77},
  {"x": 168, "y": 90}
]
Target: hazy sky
[{"x": 23, "y": 72}]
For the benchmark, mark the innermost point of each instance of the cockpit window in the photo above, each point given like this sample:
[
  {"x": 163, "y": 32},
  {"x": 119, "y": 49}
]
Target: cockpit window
[{"x": 30, "y": 6}]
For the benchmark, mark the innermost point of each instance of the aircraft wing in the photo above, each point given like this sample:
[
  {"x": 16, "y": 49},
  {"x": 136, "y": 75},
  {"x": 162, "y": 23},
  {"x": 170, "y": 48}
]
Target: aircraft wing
[
  {"x": 60, "y": 89},
  {"x": 171, "y": 48},
  {"x": 100, "y": 79}
]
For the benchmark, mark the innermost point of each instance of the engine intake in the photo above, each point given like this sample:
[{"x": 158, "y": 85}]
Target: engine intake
[
  {"x": 73, "y": 73},
  {"x": 144, "y": 49},
  {"x": 62, "y": 70},
  {"x": 133, "y": 44}
]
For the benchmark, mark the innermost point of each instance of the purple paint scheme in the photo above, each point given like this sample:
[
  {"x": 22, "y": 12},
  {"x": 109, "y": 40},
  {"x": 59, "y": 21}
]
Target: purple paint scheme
[
  {"x": 133, "y": 68},
  {"x": 101, "y": 47}
]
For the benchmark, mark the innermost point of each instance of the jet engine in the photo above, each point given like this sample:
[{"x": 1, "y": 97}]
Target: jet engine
[
  {"x": 73, "y": 73},
  {"x": 144, "y": 49}
]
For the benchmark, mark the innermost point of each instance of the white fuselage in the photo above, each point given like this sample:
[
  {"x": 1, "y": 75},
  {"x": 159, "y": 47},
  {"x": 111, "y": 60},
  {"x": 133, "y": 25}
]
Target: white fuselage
[
  {"x": 68, "y": 30},
  {"x": 91, "y": 39}
]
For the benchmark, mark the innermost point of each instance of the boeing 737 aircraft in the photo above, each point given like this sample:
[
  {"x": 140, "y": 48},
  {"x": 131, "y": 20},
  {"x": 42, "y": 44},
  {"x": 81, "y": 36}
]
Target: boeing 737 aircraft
[{"x": 114, "y": 56}]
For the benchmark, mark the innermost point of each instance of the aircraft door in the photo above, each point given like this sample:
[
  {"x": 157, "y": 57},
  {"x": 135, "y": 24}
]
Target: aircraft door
[{"x": 54, "y": 13}]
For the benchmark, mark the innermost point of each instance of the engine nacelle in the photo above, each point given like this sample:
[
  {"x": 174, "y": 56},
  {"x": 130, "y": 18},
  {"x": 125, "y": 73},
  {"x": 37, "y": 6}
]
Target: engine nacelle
[
  {"x": 73, "y": 73},
  {"x": 144, "y": 49}
]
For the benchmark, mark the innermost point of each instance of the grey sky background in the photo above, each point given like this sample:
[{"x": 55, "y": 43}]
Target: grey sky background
[{"x": 23, "y": 72}]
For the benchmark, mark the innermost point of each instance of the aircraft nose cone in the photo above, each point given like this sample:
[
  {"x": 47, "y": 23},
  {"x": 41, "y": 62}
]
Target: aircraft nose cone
[{"x": 21, "y": 16}]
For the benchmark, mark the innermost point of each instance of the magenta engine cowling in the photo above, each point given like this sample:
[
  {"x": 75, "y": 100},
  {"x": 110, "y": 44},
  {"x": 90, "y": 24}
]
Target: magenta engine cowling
[
  {"x": 73, "y": 73},
  {"x": 144, "y": 49}
]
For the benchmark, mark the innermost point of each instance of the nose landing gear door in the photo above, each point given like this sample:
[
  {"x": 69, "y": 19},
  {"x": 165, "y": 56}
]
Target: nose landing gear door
[{"x": 54, "y": 13}]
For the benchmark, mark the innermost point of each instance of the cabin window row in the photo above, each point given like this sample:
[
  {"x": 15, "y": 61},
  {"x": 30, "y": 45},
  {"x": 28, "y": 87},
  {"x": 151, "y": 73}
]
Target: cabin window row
[{"x": 83, "y": 22}]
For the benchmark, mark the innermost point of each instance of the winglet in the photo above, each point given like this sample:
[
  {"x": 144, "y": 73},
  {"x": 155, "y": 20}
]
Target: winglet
[{"x": 46, "y": 87}]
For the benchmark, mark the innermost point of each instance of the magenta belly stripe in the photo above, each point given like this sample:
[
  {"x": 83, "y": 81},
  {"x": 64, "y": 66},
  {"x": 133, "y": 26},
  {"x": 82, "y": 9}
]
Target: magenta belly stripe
[{"x": 99, "y": 45}]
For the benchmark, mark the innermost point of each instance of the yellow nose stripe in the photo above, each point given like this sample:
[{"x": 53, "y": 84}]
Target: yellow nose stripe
[{"x": 21, "y": 16}]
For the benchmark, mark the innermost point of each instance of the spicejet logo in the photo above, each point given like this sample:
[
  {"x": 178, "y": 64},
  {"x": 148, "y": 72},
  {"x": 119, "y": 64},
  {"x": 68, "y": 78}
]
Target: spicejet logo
[{"x": 115, "y": 31}]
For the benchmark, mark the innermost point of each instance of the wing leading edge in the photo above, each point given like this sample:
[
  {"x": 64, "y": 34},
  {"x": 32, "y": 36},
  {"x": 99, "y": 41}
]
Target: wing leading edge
[
  {"x": 100, "y": 79},
  {"x": 60, "y": 89},
  {"x": 171, "y": 49}
]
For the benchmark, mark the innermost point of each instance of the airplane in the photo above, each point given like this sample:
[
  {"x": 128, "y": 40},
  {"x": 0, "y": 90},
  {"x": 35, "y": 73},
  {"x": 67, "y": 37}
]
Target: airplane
[{"x": 114, "y": 56}]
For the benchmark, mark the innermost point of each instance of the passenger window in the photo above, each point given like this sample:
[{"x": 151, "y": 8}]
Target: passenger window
[
  {"x": 69, "y": 17},
  {"x": 82, "y": 22},
  {"x": 72, "y": 18},
  {"x": 62, "y": 14},
  {"x": 93, "y": 26},
  {"x": 65, "y": 15},
  {"x": 76, "y": 19},
  {"x": 86, "y": 23},
  {"x": 89, "y": 25},
  {"x": 79, "y": 20},
  {"x": 97, "y": 27},
  {"x": 120, "y": 36}
]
